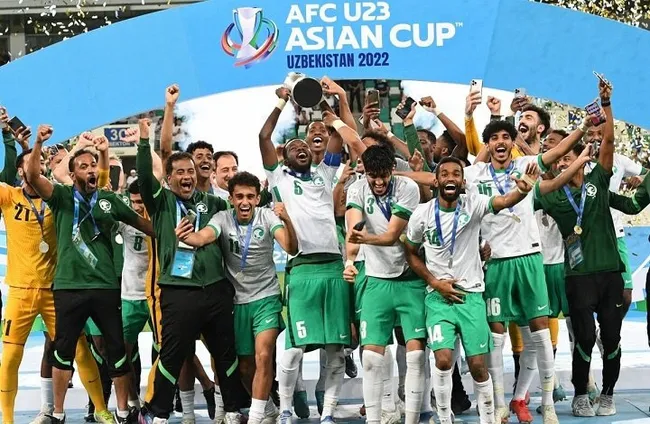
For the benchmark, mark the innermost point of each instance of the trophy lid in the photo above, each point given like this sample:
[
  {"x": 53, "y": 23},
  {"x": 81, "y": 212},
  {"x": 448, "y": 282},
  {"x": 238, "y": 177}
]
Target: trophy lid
[{"x": 307, "y": 92}]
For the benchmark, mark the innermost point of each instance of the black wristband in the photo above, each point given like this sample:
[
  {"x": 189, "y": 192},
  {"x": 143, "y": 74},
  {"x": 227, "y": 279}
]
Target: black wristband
[
  {"x": 495, "y": 117},
  {"x": 605, "y": 102}
]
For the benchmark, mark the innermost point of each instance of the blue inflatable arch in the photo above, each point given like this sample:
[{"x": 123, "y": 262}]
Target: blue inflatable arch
[{"x": 222, "y": 45}]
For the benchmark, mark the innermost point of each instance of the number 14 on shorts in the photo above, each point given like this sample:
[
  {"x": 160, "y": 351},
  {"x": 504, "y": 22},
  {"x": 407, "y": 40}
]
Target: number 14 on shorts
[{"x": 435, "y": 334}]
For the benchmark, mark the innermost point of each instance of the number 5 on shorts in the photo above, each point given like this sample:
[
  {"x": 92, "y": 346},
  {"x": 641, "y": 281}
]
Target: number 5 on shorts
[
  {"x": 493, "y": 307},
  {"x": 302, "y": 330}
]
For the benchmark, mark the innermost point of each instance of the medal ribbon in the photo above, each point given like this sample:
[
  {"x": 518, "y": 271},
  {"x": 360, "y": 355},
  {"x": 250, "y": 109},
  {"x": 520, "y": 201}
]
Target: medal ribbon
[
  {"x": 181, "y": 207},
  {"x": 454, "y": 227},
  {"x": 583, "y": 196},
  {"x": 40, "y": 217},
  {"x": 508, "y": 172},
  {"x": 244, "y": 242},
  {"x": 384, "y": 207},
  {"x": 76, "y": 224}
]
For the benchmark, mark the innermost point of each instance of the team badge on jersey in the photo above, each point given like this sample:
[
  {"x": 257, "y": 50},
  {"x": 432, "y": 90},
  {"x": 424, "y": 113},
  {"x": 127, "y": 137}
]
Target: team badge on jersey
[
  {"x": 591, "y": 190},
  {"x": 105, "y": 205},
  {"x": 318, "y": 180},
  {"x": 258, "y": 233},
  {"x": 201, "y": 207},
  {"x": 463, "y": 218}
]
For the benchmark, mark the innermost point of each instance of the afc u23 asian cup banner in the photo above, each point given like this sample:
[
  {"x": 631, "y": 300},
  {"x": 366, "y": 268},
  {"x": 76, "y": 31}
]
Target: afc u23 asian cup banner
[{"x": 221, "y": 45}]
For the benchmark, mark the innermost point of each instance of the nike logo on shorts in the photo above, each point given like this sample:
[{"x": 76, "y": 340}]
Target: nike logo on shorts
[
  {"x": 618, "y": 306},
  {"x": 356, "y": 312},
  {"x": 268, "y": 321},
  {"x": 343, "y": 336},
  {"x": 483, "y": 345},
  {"x": 419, "y": 330},
  {"x": 539, "y": 308}
]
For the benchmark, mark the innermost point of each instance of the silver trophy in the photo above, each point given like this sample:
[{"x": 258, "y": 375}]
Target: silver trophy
[
  {"x": 306, "y": 92},
  {"x": 248, "y": 21}
]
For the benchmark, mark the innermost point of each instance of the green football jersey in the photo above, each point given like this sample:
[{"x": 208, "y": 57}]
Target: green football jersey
[
  {"x": 74, "y": 271},
  {"x": 598, "y": 238}
]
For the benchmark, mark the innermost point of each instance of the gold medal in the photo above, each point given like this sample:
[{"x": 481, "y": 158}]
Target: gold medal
[
  {"x": 516, "y": 218},
  {"x": 119, "y": 239},
  {"x": 402, "y": 238},
  {"x": 43, "y": 247},
  {"x": 577, "y": 229}
]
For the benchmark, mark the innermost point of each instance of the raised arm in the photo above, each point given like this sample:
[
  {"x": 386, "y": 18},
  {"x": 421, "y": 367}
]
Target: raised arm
[
  {"x": 269, "y": 156},
  {"x": 411, "y": 136},
  {"x": 547, "y": 186},
  {"x": 8, "y": 174},
  {"x": 167, "y": 130},
  {"x": 41, "y": 185},
  {"x": 150, "y": 188},
  {"x": 460, "y": 151},
  {"x": 606, "y": 152},
  {"x": 524, "y": 185},
  {"x": 332, "y": 88},
  {"x": 553, "y": 155},
  {"x": 100, "y": 143},
  {"x": 422, "y": 178},
  {"x": 286, "y": 235}
]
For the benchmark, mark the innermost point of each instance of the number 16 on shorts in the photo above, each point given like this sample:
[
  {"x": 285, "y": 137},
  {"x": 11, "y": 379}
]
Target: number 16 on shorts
[{"x": 493, "y": 307}]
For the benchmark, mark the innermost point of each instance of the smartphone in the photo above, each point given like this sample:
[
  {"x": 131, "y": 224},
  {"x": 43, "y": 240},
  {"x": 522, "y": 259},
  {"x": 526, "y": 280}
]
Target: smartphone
[
  {"x": 602, "y": 79},
  {"x": 372, "y": 97},
  {"x": 191, "y": 216},
  {"x": 403, "y": 112},
  {"x": 476, "y": 86},
  {"x": 594, "y": 108},
  {"x": 520, "y": 93},
  {"x": 115, "y": 177},
  {"x": 359, "y": 226},
  {"x": 15, "y": 124}
]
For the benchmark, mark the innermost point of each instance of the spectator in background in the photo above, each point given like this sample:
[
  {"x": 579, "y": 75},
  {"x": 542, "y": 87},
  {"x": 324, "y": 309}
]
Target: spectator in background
[
  {"x": 354, "y": 88},
  {"x": 132, "y": 177},
  {"x": 5, "y": 58},
  {"x": 383, "y": 88},
  {"x": 179, "y": 134}
]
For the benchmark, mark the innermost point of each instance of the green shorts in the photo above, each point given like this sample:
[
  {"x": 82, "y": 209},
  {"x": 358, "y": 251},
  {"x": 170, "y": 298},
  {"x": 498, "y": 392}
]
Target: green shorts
[
  {"x": 135, "y": 314},
  {"x": 358, "y": 289},
  {"x": 446, "y": 321},
  {"x": 91, "y": 328},
  {"x": 556, "y": 290},
  {"x": 253, "y": 318},
  {"x": 318, "y": 305},
  {"x": 627, "y": 276},
  {"x": 515, "y": 289},
  {"x": 387, "y": 302}
]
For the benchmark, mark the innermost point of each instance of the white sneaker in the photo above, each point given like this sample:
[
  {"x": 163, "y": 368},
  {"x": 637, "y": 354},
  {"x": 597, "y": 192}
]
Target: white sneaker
[
  {"x": 391, "y": 417},
  {"x": 220, "y": 413},
  {"x": 284, "y": 418},
  {"x": 606, "y": 406},
  {"x": 41, "y": 418},
  {"x": 502, "y": 414},
  {"x": 581, "y": 406},
  {"x": 233, "y": 418},
  {"x": 549, "y": 415},
  {"x": 271, "y": 417}
]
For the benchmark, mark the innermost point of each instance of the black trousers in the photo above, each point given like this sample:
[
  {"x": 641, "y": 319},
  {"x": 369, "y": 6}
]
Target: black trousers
[
  {"x": 601, "y": 294},
  {"x": 186, "y": 314},
  {"x": 73, "y": 308}
]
